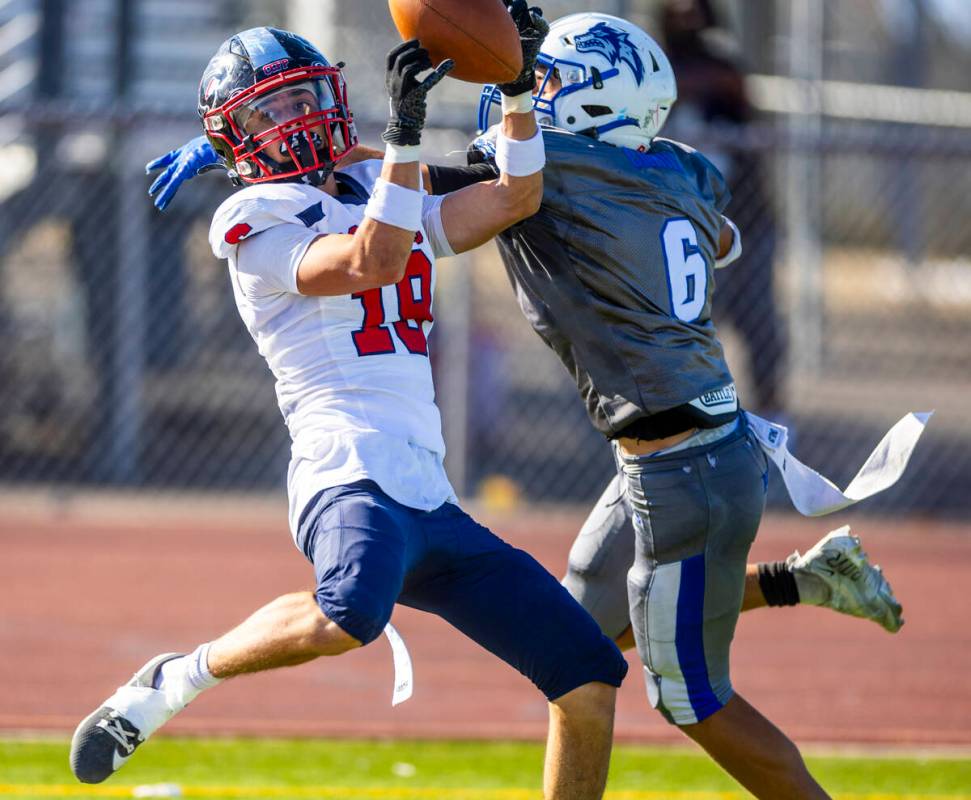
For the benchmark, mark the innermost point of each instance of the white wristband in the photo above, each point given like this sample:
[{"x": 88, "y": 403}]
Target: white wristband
[
  {"x": 520, "y": 157},
  {"x": 394, "y": 205},
  {"x": 520, "y": 104},
  {"x": 402, "y": 153}
]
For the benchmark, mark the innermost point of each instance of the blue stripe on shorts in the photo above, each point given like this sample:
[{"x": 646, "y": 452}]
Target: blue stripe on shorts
[{"x": 689, "y": 637}]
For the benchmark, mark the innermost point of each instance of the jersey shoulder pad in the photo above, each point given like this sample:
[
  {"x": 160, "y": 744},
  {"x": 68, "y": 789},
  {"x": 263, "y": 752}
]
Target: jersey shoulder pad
[
  {"x": 557, "y": 137},
  {"x": 703, "y": 173},
  {"x": 364, "y": 172},
  {"x": 671, "y": 143},
  {"x": 257, "y": 208}
]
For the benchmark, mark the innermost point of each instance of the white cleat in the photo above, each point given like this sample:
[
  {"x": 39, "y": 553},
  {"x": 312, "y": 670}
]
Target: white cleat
[
  {"x": 851, "y": 585},
  {"x": 106, "y": 738}
]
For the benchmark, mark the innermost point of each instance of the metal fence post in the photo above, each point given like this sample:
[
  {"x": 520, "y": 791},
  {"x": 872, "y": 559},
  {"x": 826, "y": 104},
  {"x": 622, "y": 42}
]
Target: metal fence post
[
  {"x": 804, "y": 126},
  {"x": 128, "y": 329},
  {"x": 455, "y": 302}
]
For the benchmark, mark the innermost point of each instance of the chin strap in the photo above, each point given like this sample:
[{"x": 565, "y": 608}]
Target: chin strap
[
  {"x": 597, "y": 131},
  {"x": 306, "y": 148},
  {"x": 316, "y": 178}
]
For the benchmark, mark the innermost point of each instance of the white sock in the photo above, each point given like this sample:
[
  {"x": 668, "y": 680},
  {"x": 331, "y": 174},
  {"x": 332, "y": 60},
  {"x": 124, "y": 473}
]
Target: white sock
[{"x": 184, "y": 679}]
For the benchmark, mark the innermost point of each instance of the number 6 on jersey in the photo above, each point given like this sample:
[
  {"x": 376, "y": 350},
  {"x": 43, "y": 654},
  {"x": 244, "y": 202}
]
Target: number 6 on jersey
[{"x": 687, "y": 271}]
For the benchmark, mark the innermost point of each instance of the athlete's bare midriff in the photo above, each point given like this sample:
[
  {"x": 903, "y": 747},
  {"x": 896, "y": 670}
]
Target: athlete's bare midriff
[{"x": 644, "y": 447}]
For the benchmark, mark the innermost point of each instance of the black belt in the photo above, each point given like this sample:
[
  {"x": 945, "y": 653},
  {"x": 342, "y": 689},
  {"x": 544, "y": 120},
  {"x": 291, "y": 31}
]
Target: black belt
[{"x": 672, "y": 421}]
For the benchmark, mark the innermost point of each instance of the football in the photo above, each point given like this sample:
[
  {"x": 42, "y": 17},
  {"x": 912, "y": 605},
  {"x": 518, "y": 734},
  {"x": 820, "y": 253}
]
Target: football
[{"x": 479, "y": 35}]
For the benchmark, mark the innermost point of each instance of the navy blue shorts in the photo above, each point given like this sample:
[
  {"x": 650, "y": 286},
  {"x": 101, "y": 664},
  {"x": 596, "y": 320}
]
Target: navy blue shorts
[{"x": 370, "y": 552}]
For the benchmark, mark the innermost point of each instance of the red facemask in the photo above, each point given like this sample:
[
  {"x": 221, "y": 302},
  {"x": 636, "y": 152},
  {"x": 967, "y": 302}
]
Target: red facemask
[{"x": 293, "y": 125}]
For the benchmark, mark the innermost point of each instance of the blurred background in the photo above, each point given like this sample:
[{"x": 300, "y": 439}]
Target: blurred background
[
  {"x": 143, "y": 456},
  {"x": 843, "y": 127}
]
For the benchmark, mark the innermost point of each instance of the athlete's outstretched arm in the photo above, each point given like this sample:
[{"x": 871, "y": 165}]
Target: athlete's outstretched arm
[
  {"x": 377, "y": 252},
  {"x": 473, "y": 215},
  {"x": 436, "y": 179},
  {"x": 374, "y": 255}
]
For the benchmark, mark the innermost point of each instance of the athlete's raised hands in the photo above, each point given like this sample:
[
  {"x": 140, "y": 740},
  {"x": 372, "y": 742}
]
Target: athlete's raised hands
[
  {"x": 407, "y": 93},
  {"x": 532, "y": 31}
]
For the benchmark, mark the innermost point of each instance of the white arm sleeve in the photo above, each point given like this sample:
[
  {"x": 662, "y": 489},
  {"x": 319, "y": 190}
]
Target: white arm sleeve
[
  {"x": 267, "y": 263},
  {"x": 431, "y": 221},
  {"x": 736, "y": 251}
]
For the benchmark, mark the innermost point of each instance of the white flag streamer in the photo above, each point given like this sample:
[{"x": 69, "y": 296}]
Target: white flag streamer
[
  {"x": 814, "y": 495},
  {"x": 404, "y": 682}
]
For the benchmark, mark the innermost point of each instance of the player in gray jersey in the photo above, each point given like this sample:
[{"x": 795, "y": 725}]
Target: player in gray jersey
[
  {"x": 615, "y": 273},
  {"x": 626, "y": 306}
]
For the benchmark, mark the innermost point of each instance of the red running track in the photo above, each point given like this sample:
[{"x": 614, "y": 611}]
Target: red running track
[{"x": 91, "y": 588}]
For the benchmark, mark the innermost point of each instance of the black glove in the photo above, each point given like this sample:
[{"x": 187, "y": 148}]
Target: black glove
[
  {"x": 407, "y": 93},
  {"x": 532, "y": 31}
]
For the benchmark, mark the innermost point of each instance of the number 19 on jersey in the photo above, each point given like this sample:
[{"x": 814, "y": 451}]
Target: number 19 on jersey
[{"x": 414, "y": 295}]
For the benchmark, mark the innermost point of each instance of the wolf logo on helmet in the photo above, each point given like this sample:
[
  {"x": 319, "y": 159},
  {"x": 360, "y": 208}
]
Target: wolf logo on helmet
[
  {"x": 600, "y": 76},
  {"x": 614, "y": 45}
]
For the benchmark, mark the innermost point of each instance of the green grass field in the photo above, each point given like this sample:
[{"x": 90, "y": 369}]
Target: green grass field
[{"x": 252, "y": 769}]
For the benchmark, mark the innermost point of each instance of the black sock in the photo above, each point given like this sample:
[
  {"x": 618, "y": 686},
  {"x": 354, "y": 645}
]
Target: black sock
[{"x": 778, "y": 584}]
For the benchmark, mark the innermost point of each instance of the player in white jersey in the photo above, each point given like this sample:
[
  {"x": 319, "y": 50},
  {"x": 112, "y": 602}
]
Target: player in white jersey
[
  {"x": 353, "y": 379},
  {"x": 333, "y": 274}
]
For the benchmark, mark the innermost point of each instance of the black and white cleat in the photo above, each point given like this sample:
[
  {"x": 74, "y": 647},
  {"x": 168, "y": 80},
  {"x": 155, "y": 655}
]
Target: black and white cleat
[{"x": 107, "y": 738}]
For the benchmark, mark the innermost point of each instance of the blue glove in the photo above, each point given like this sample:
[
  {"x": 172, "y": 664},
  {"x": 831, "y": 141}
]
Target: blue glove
[{"x": 193, "y": 158}]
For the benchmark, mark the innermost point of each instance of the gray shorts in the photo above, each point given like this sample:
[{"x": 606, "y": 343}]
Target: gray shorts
[
  {"x": 600, "y": 557},
  {"x": 665, "y": 551}
]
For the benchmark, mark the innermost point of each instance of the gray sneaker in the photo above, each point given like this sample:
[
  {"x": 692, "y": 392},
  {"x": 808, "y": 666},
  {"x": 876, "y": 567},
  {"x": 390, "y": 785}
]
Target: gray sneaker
[
  {"x": 836, "y": 573},
  {"x": 107, "y": 737}
]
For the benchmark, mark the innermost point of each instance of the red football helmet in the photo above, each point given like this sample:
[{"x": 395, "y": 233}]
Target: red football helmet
[{"x": 274, "y": 109}]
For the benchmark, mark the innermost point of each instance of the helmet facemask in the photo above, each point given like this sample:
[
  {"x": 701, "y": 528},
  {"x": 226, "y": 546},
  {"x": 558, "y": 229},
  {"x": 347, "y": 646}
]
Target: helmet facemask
[
  {"x": 293, "y": 127},
  {"x": 561, "y": 79}
]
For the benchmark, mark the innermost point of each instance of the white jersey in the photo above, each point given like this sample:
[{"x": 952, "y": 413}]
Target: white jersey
[{"x": 353, "y": 378}]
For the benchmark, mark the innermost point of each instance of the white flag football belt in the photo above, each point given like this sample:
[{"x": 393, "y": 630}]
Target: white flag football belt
[{"x": 815, "y": 495}]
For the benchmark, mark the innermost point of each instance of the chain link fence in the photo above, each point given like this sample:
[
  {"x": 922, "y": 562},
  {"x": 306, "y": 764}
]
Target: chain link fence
[{"x": 125, "y": 363}]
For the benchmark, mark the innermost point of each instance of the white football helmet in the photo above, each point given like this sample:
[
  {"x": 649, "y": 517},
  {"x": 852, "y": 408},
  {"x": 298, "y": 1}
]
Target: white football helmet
[{"x": 616, "y": 83}]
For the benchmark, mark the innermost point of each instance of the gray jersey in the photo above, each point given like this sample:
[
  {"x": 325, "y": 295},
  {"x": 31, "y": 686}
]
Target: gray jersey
[{"x": 615, "y": 273}]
